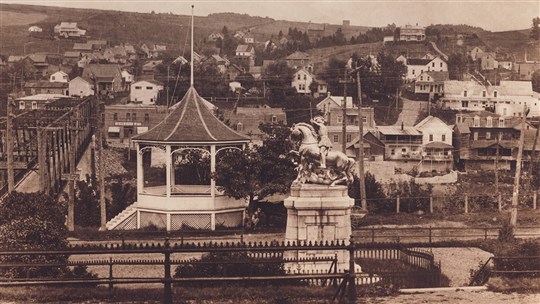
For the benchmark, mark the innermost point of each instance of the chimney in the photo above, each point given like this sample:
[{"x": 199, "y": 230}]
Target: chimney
[
  {"x": 402, "y": 126},
  {"x": 328, "y": 94}
]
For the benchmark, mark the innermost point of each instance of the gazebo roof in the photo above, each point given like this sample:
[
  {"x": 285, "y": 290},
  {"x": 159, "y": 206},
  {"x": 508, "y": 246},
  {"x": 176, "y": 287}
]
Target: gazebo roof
[{"x": 190, "y": 121}]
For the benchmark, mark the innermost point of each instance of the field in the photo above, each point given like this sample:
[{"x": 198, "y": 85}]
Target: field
[{"x": 14, "y": 18}]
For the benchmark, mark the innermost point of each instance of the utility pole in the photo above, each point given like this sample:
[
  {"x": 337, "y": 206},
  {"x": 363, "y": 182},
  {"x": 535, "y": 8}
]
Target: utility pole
[
  {"x": 497, "y": 165},
  {"x": 9, "y": 144},
  {"x": 533, "y": 152},
  {"x": 515, "y": 196},
  {"x": 345, "y": 80},
  {"x": 361, "y": 175},
  {"x": 101, "y": 167}
]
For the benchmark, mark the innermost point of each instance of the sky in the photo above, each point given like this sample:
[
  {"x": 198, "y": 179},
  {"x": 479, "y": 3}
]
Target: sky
[{"x": 493, "y": 15}]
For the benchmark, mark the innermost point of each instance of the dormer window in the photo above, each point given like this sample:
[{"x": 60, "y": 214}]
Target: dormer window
[
  {"x": 239, "y": 127},
  {"x": 495, "y": 94},
  {"x": 476, "y": 121},
  {"x": 489, "y": 122},
  {"x": 465, "y": 93},
  {"x": 501, "y": 121}
]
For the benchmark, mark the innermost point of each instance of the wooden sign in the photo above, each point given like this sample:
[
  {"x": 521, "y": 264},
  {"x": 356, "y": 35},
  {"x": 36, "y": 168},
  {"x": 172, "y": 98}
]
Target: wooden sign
[{"x": 16, "y": 165}]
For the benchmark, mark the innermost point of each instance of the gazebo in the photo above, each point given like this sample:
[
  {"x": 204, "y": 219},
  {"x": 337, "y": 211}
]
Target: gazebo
[{"x": 175, "y": 163}]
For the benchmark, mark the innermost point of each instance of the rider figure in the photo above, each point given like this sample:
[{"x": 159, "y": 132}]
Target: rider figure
[{"x": 324, "y": 142}]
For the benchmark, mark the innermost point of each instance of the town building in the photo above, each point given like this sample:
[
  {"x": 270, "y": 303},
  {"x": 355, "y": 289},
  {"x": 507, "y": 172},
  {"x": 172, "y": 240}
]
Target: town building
[
  {"x": 302, "y": 80},
  {"x": 430, "y": 83},
  {"x": 506, "y": 99},
  {"x": 35, "y": 102},
  {"x": 415, "y": 67},
  {"x": 525, "y": 70},
  {"x": 71, "y": 58},
  {"x": 59, "y": 76},
  {"x": 478, "y": 134},
  {"x": 145, "y": 91},
  {"x": 402, "y": 146},
  {"x": 35, "y": 29},
  {"x": 476, "y": 53},
  {"x": 108, "y": 77},
  {"x": 299, "y": 60},
  {"x": 437, "y": 149},
  {"x": 315, "y": 31},
  {"x": 45, "y": 87},
  {"x": 213, "y": 37},
  {"x": 246, "y": 120}
]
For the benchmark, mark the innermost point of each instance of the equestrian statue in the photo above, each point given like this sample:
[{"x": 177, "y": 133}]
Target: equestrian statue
[{"x": 318, "y": 163}]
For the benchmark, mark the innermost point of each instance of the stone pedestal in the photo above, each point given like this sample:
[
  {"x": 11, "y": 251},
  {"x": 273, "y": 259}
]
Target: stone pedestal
[{"x": 318, "y": 213}]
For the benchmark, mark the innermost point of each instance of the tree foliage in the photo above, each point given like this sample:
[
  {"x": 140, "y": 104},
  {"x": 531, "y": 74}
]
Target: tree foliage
[
  {"x": 376, "y": 198},
  {"x": 535, "y": 29},
  {"x": 87, "y": 208},
  {"x": 278, "y": 77},
  {"x": 259, "y": 171},
  {"x": 32, "y": 221}
]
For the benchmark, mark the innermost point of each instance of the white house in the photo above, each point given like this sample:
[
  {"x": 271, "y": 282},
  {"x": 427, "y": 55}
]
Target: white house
[
  {"x": 412, "y": 33},
  {"x": 35, "y": 29},
  {"x": 506, "y": 99},
  {"x": 301, "y": 81},
  {"x": 127, "y": 78},
  {"x": 245, "y": 50},
  {"x": 81, "y": 87},
  {"x": 59, "y": 76},
  {"x": 430, "y": 83},
  {"x": 145, "y": 91},
  {"x": 436, "y": 144},
  {"x": 476, "y": 53},
  {"x": 415, "y": 67},
  {"x": 68, "y": 29}
]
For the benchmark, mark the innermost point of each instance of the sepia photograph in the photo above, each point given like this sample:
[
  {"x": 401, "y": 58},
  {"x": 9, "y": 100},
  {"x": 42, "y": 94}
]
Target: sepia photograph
[{"x": 272, "y": 152}]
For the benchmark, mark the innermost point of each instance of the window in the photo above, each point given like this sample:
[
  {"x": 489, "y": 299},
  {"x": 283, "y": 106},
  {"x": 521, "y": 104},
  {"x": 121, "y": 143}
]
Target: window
[
  {"x": 495, "y": 94},
  {"x": 134, "y": 116},
  {"x": 22, "y": 105},
  {"x": 349, "y": 137},
  {"x": 149, "y": 88},
  {"x": 364, "y": 119},
  {"x": 34, "y": 105},
  {"x": 299, "y": 77},
  {"x": 138, "y": 88},
  {"x": 483, "y": 93},
  {"x": 465, "y": 93},
  {"x": 52, "y": 77},
  {"x": 441, "y": 64},
  {"x": 421, "y": 78},
  {"x": 239, "y": 127},
  {"x": 430, "y": 137},
  {"x": 336, "y": 138},
  {"x": 475, "y": 135},
  {"x": 146, "y": 117},
  {"x": 476, "y": 121},
  {"x": 274, "y": 118},
  {"x": 393, "y": 152},
  {"x": 128, "y": 116},
  {"x": 340, "y": 119},
  {"x": 504, "y": 112},
  {"x": 443, "y": 137},
  {"x": 115, "y": 116},
  {"x": 305, "y": 77},
  {"x": 489, "y": 122},
  {"x": 433, "y": 64},
  {"x": 488, "y": 135}
]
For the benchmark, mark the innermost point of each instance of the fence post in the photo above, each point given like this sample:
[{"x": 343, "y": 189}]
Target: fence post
[
  {"x": 466, "y": 204},
  {"x": 372, "y": 235},
  {"x": 485, "y": 233},
  {"x": 499, "y": 201},
  {"x": 352, "y": 274},
  {"x": 430, "y": 235},
  {"x": 167, "y": 291},
  {"x": 430, "y": 203},
  {"x": 397, "y": 204},
  {"x": 110, "y": 274},
  {"x": 535, "y": 197}
]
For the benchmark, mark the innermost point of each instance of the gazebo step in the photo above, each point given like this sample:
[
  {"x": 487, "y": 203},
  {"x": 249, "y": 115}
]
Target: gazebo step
[{"x": 115, "y": 221}]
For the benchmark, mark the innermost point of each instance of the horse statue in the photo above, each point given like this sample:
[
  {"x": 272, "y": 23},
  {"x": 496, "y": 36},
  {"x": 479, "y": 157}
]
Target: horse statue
[{"x": 338, "y": 165}]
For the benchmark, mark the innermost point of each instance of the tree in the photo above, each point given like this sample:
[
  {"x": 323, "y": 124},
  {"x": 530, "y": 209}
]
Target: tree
[
  {"x": 457, "y": 65},
  {"x": 32, "y": 221},
  {"x": 535, "y": 30},
  {"x": 378, "y": 202},
  {"x": 259, "y": 171},
  {"x": 278, "y": 77},
  {"x": 536, "y": 81},
  {"x": 87, "y": 211},
  {"x": 123, "y": 195},
  {"x": 332, "y": 73},
  {"x": 391, "y": 73}
]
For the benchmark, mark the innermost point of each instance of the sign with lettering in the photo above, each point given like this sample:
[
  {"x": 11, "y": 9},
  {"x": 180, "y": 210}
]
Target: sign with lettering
[
  {"x": 16, "y": 165},
  {"x": 127, "y": 123}
]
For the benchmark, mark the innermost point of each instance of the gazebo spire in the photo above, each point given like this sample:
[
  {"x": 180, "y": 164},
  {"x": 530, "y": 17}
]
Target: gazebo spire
[{"x": 191, "y": 63}]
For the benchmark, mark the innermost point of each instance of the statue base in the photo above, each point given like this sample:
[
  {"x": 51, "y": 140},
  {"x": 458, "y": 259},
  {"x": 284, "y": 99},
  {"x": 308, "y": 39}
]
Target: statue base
[{"x": 318, "y": 212}]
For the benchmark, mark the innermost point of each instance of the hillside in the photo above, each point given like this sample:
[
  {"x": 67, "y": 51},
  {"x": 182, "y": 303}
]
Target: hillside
[
  {"x": 513, "y": 42},
  {"x": 116, "y": 26}
]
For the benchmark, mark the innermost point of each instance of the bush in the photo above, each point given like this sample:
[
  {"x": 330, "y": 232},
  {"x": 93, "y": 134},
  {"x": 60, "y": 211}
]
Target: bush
[
  {"x": 230, "y": 264},
  {"x": 34, "y": 221}
]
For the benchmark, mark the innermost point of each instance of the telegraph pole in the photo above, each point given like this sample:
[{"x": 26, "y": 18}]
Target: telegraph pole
[
  {"x": 361, "y": 175},
  {"x": 101, "y": 167},
  {"x": 9, "y": 144},
  {"x": 344, "y": 118},
  {"x": 533, "y": 154},
  {"x": 515, "y": 196},
  {"x": 497, "y": 165}
]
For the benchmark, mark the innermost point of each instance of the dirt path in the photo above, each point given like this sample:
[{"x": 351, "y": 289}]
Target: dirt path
[
  {"x": 411, "y": 109},
  {"x": 456, "y": 263}
]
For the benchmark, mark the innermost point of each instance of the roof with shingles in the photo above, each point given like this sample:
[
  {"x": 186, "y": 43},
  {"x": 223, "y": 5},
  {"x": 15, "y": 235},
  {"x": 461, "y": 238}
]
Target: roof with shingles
[
  {"x": 82, "y": 46},
  {"x": 191, "y": 121},
  {"x": 398, "y": 130},
  {"x": 101, "y": 70},
  {"x": 45, "y": 84},
  {"x": 298, "y": 56},
  {"x": 416, "y": 61}
]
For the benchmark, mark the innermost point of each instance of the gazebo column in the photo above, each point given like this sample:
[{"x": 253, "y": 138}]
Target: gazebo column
[
  {"x": 140, "y": 170},
  {"x": 212, "y": 170},
  {"x": 168, "y": 169},
  {"x": 213, "y": 185}
]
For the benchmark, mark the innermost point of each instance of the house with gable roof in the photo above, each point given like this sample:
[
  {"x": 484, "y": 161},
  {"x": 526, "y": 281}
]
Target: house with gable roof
[
  {"x": 437, "y": 149},
  {"x": 302, "y": 80},
  {"x": 415, "y": 67},
  {"x": 81, "y": 87},
  {"x": 59, "y": 76},
  {"x": 430, "y": 82},
  {"x": 145, "y": 91},
  {"x": 68, "y": 30},
  {"x": 108, "y": 77},
  {"x": 246, "y": 120},
  {"x": 332, "y": 110},
  {"x": 475, "y": 53}
]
